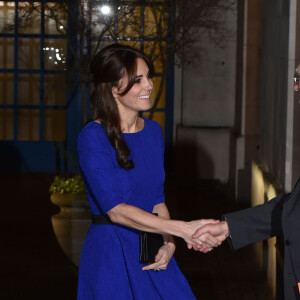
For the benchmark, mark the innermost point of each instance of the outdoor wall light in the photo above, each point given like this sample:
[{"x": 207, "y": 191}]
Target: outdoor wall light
[{"x": 105, "y": 9}]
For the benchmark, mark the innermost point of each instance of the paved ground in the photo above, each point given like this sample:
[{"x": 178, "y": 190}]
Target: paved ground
[{"x": 33, "y": 265}]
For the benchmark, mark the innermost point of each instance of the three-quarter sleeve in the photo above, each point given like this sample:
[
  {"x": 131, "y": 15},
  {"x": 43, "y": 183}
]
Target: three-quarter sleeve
[{"x": 106, "y": 181}]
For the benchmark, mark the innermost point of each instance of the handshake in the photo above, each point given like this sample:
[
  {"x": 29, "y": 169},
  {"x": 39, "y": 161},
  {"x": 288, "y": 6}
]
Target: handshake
[{"x": 208, "y": 234}]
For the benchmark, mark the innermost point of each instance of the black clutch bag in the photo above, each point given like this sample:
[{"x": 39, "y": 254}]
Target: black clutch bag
[{"x": 149, "y": 246}]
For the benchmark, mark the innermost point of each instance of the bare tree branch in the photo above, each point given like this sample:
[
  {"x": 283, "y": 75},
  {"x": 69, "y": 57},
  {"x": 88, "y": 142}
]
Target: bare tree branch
[{"x": 168, "y": 29}]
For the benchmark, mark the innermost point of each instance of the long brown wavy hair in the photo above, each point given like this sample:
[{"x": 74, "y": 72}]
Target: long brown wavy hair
[{"x": 108, "y": 66}]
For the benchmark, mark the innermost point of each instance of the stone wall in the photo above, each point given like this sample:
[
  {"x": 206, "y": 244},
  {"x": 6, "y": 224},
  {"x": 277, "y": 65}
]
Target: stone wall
[{"x": 204, "y": 110}]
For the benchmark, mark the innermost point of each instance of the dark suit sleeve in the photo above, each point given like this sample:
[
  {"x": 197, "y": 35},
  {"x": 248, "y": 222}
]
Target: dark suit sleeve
[{"x": 256, "y": 223}]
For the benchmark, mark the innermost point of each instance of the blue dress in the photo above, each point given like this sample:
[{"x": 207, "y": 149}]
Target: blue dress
[{"x": 109, "y": 265}]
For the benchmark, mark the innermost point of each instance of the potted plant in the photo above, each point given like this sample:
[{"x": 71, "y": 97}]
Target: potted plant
[
  {"x": 68, "y": 192},
  {"x": 72, "y": 222}
]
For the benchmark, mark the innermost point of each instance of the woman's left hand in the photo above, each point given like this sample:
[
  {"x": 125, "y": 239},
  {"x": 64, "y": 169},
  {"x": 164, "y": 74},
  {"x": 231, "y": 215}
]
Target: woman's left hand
[{"x": 162, "y": 258}]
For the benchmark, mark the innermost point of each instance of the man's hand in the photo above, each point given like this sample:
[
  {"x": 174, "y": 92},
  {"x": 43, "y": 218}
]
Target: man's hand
[
  {"x": 203, "y": 245},
  {"x": 208, "y": 233}
]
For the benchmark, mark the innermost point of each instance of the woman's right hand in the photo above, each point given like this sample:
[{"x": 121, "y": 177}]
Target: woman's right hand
[{"x": 204, "y": 244}]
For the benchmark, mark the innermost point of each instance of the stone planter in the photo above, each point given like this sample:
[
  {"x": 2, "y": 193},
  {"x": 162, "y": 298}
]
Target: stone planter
[{"x": 71, "y": 224}]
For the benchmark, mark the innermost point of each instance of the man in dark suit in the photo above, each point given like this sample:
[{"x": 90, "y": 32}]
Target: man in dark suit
[{"x": 279, "y": 216}]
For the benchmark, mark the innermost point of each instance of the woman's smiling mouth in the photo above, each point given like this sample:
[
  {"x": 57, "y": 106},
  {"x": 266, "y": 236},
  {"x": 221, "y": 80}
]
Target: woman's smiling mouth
[{"x": 144, "y": 96}]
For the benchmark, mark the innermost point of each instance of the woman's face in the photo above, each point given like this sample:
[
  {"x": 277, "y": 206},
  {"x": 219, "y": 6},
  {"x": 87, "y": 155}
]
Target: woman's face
[{"x": 138, "y": 97}]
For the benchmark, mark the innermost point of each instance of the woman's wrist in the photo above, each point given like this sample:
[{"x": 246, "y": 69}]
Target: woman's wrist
[
  {"x": 178, "y": 228},
  {"x": 182, "y": 229},
  {"x": 186, "y": 230},
  {"x": 169, "y": 239},
  {"x": 170, "y": 245}
]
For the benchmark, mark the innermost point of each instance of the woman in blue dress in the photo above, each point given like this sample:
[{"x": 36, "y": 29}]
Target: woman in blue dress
[{"x": 121, "y": 159}]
